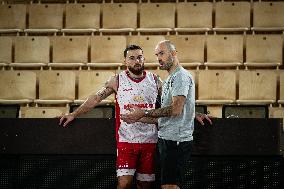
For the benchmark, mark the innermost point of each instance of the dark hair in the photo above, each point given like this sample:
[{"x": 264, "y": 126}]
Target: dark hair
[{"x": 131, "y": 47}]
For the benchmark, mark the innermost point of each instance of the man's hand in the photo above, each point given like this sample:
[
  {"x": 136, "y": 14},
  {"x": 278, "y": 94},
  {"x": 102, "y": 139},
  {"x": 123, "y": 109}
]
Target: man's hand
[
  {"x": 201, "y": 117},
  {"x": 65, "y": 119},
  {"x": 133, "y": 116}
]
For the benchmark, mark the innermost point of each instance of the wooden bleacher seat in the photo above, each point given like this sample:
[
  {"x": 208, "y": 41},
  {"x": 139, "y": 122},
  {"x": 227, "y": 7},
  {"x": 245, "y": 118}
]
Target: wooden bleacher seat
[
  {"x": 224, "y": 50},
  {"x": 31, "y": 51},
  {"x": 119, "y": 17},
  {"x": 257, "y": 87},
  {"x": 277, "y": 112},
  {"x": 6, "y": 51},
  {"x": 17, "y": 87},
  {"x": 281, "y": 95},
  {"x": 232, "y": 16},
  {"x": 42, "y": 112},
  {"x": 216, "y": 87},
  {"x": 56, "y": 87},
  {"x": 190, "y": 49},
  {"x": 157, "y": 17},
  {"x": 82, "y": 18},
  {"x": 245, "y": 111},
  {"x": 148, "y": 43},
  {"x": 194, "y": 74},
  {"x": 215, "y": 110},
  {"x": 263, "y": 50},
  {"x": 107, "y": 51},
  {"x": 268, "y": 16},
  {"x": 12, "y": 18},
  {"x": 45, "y": 18},
  {"x": 69, "y": 51},
  {"x": 91, "y": 82},
  {"x": 194, "y": 17}
]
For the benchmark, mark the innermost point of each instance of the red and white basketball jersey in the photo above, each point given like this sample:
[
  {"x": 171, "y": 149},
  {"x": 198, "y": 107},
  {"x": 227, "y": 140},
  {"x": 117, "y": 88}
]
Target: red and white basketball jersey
[{"x": 142, "y": 93}]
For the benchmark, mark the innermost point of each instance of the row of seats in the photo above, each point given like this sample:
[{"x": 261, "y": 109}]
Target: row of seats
[
  {"x": 15, "y": 111},
  {"x": 245, "y": 111},
  {"x": 108, "y": 111},
  {"x": 259, "y": 50},
  {"x": 143, "y": 17},
  {"x": 213, "y": 86},
  {"x": 54, "y": 87},
  {"x": 226, "y": 111}
]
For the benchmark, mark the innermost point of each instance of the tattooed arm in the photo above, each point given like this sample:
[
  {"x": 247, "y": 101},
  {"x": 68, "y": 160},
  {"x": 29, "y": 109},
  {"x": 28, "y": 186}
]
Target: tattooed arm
[
  {"x": 150, "y": 120},
  {"x": 175, "y": 109},
  {"x": 93, "y": 100}
]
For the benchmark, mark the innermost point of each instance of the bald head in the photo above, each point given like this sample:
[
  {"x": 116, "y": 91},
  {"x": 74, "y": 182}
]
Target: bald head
[
  {"x": 168, "y": 44},
  {"x": 166, "y": 55}
]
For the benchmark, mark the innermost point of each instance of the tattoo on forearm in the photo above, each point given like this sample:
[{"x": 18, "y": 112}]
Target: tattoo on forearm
[
  {"x": 150, "y": 120},
  {"x": 161, "y": 112},
  {"x": 93, "y": 101},
  {"x": 104, "y": 93}
]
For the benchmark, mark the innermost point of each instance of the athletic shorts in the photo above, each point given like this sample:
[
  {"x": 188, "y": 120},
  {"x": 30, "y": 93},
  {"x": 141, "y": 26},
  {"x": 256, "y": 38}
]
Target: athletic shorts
[
  {"x": 136, "y": 157},
  {"x": 173, "y": 156}
]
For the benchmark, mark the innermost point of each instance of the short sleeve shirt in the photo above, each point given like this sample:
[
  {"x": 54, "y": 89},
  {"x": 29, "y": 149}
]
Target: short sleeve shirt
[{"x": 180, "y": 128}]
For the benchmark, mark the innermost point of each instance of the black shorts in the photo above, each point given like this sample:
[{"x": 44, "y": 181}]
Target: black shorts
[{"x": 173, "y": 157}]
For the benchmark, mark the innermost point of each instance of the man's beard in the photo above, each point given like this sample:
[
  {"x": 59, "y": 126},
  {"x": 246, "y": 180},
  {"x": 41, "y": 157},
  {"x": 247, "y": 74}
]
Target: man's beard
[
  {"x": 167, "y": 65},
  {"x": 136, "y": 71}
]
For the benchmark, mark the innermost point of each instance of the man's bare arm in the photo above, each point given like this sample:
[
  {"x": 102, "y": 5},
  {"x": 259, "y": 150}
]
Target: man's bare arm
[
  {"x": 93, "y": 100},
  {"x": 150, "y": 120},
  {"x": 175, "y": 109}
]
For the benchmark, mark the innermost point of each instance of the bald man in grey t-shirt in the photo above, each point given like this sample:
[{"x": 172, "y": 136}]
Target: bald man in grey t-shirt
[{"x": 175, "y": 117}]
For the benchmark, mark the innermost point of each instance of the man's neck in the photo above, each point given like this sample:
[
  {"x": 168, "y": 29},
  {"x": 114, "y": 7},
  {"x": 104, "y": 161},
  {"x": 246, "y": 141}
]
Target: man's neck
[
  {"x": 134, "y": 76},
  {"x": 173, "y": 68}
]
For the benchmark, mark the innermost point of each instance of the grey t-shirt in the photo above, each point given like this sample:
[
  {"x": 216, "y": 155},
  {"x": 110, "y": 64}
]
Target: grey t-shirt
[{"x": 180, "y": 128}]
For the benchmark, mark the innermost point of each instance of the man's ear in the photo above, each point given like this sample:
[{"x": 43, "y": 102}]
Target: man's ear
[{"x": 174, "y": 53}]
